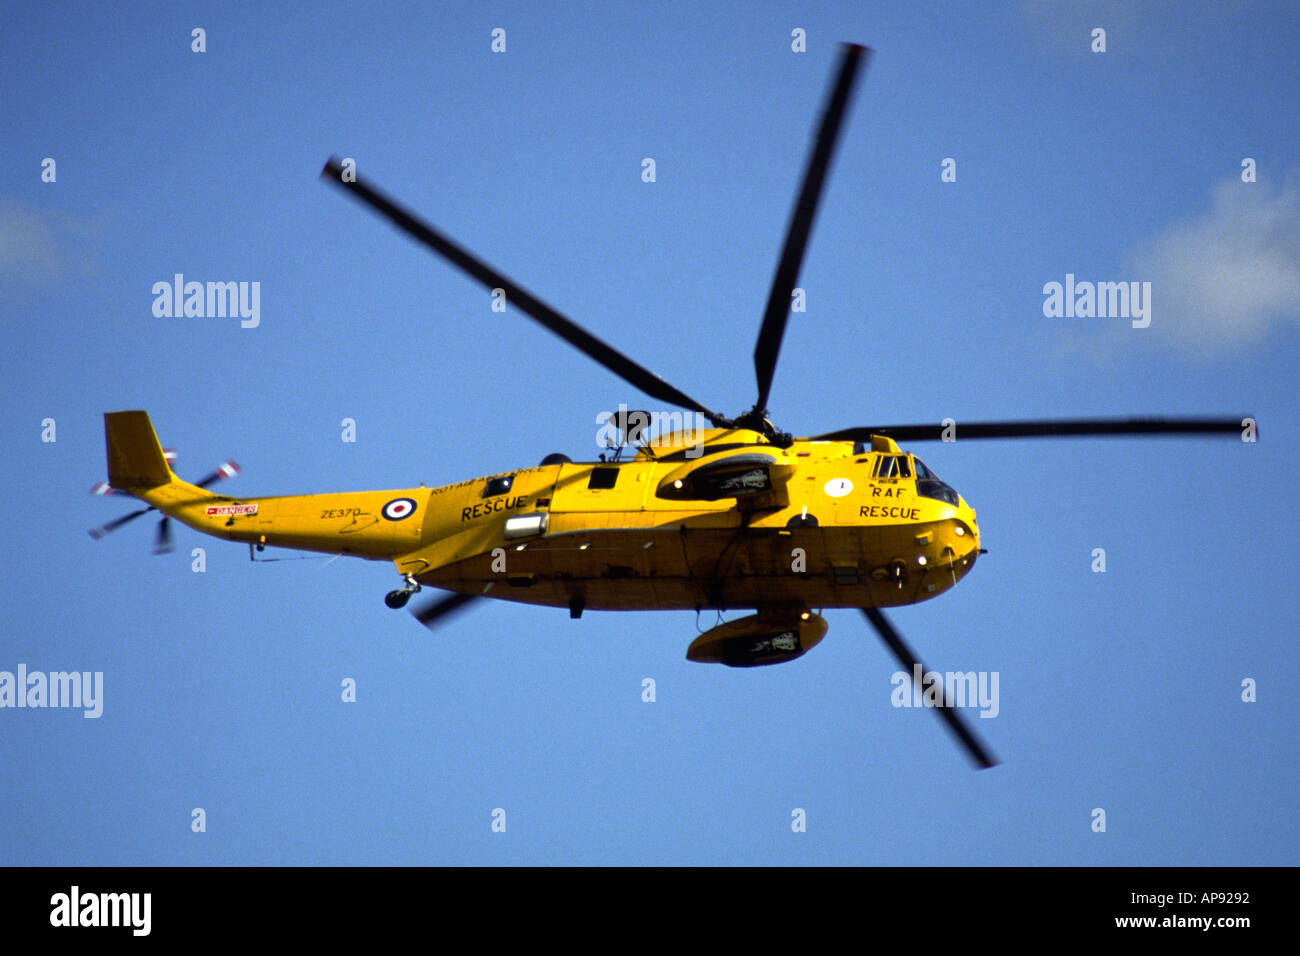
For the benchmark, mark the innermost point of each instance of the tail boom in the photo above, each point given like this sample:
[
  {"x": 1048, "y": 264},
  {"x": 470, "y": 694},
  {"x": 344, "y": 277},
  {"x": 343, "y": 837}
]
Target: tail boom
[{"x": 372, "y": 524}]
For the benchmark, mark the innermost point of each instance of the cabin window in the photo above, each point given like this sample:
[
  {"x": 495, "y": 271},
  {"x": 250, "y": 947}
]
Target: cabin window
[
  {"x": 498, "y": 486},
  {"x": 892, "y": 466},
  {"x": 602, "y": 478}
]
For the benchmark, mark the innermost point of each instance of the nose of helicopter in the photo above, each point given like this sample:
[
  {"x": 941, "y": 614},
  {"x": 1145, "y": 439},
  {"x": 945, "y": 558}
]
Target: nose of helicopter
[
  {"x": 964, "y": 537},
  {"x": 954, "y": 546},
  {"x": 947, "y": 546}
]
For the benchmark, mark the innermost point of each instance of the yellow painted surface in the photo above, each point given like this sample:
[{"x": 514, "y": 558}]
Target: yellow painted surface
[{"x": 875, "y": 542}]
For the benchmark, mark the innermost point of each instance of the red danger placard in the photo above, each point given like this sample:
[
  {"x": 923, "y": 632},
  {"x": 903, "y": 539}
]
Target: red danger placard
[{"x": 233, "y": 510}]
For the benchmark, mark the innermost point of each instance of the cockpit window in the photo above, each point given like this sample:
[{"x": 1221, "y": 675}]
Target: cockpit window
[
  {"x": 936, "y": 489},
  {"x": 892, "y": 466},
  {"x": 929, "y": 485}
]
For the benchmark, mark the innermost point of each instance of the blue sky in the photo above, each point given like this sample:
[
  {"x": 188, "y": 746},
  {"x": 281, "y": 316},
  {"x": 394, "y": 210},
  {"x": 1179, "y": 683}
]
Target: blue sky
[{"x": 1119, "y": 690}]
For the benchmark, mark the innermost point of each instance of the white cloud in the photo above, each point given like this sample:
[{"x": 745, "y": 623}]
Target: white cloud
[
  {"x": 1064, "y": 27},
  {"x": 1225, "y": 279},
  {"x": 37, "y": 245},
  {"x": 27, "y": 243}
]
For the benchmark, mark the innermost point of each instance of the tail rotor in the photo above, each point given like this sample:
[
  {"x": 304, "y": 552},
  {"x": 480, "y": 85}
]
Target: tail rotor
[{"x": 163, "y": 536}]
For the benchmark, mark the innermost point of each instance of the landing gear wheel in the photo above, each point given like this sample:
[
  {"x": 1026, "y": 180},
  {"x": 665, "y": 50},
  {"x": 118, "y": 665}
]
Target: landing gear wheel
[{"x": 397, "y": 599}]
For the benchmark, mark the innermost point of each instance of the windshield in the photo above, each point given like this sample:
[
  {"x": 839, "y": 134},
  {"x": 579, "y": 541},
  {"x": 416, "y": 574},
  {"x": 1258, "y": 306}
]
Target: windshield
[{"x": 929, "y": 485}]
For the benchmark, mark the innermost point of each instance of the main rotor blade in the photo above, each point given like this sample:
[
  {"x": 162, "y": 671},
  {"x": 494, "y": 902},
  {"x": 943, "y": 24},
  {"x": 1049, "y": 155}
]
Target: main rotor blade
[
  {"x": 777, "y": 312},
  {"x": 432, "y": 613},
  {"x": 575, "y": 335},
  {"x": 1046, "y": 428},
  {"x": 909, "y": 661}
]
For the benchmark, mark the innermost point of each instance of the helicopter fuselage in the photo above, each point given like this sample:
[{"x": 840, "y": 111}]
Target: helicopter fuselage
[{"x": 731, "y": 521}]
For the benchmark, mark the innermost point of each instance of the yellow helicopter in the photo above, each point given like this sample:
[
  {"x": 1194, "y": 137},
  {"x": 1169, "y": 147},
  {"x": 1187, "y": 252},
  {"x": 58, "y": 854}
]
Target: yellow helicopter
[{"x": 739, "y": 515}]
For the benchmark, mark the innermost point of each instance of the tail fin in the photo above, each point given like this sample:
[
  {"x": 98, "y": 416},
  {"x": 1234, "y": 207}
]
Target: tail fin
[{"x": 135, "y": 457}]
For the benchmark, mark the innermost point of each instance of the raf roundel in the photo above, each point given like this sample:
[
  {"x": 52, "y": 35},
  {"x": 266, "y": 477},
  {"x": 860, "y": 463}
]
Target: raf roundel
[{"x": 399, "y": 508}]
